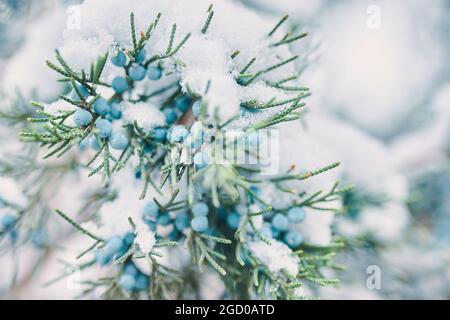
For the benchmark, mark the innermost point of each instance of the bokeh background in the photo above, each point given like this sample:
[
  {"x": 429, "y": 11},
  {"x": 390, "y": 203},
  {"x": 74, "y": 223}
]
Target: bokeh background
[{"x": 380, "y": 78}]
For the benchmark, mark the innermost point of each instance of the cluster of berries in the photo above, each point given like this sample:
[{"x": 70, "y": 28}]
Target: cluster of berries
[
  {"x": 105, "y": 113},
  {"x": 114, "y": 248},
  {"x": 280, "y": 227},
  {"x": 136, "y": 72},
  {"x": 132, "y": 279}
]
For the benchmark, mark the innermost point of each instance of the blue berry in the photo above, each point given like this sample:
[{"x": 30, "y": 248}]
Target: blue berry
[
  {"x": 149, "y": 148},
  {"x": 39, "y": 238},
  {"x": 275, "y": 232},
  {"x": 280, "y": 222},
  {"x": 150, "y": 223},
  {"x": 154, "y": 73},
  {"x": 222, "y": 213},
  {"x": 175, "y": 235},
  {"x": 293, "y": 239},
  {"x": 82, "y": 89},
  {"x": 200, "y": 209},
  {"x": 94, "y": 143},
  {"x": 255, "y": 190},
  {"x": 159, "y": 134},
  {"x": 115, "y": 111},
  {"x": 169, "y": 132},
  {"x": 7, "y": 221},
  {"x": 163, "y": 219},
  {"x": 178, "y": 134},
  {"x": 118, "y": 141},
  {"x": 296, "y": 214},
  {"x": 128, "y": 239},
  {"x": 182, "y": 221},
  {"x": 14, "y": 235},
  {"x": 140, "y": 57},
  {"x": 114, "y": 245},
  {"x": 183, "y": 103},
  {"x": 119, "y": 59},
  {"x": 233, "y": 220},
  {"x": 137, "y": 72},
  {"x": 122, "y": 251},
  {"x": 102, "y": 257},
  {"x": 151, "y": 209},
  {"x": 131, "y": 270},
  {"x": 197, "y": 108},
  {"x": 170, "y": 115},
  {"x": 84, "y": 144},
  {"x": 104, "y": 127},
  {"x": 120, "y": 84},
  {"x": 82, "y": 117},
  {"x": 201, "y": 160},
  {"x": 199, "y": 224},
  {"x": 141, "y": 282},
  {"x": 101, "y": 106},
  {"x": 127, "y": 282}
]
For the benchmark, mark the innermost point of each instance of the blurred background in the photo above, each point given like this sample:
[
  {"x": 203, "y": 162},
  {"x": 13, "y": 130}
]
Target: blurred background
[{"x": 380, "y": 78}]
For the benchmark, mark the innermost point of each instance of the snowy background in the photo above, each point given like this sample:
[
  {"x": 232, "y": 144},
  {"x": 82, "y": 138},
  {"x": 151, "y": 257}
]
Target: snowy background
[{"x": 380, "y": 79}]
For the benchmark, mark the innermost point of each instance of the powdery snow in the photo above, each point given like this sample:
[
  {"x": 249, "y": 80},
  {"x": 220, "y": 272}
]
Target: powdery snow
[
  {"x": 205, "y": 58},
  {"x": 277, "y": 257},
  {"x": 145, "y": 238},
  {"x": 26, "y": 70},
  {"x": 147, "y": 116}
]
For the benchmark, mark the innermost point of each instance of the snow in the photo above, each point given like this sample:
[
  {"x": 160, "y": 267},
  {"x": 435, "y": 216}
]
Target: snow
[
  {"x": 359, "y": 152},
  {"x": 277, "y": 256},
  {"x": 144, "y": 238},
  {"x": 205, "y": 58},
  {"x": 302, "y": 149},
  {"x": 58, "y": 107},
  {"x": 113, "y": 216},
  {"x": 26, "y": 70},
  {"x": 316, "y": 228},
  {"x": 387, "y": 222},
  {"x": 300, "y": 292},
  {"x": 146, "y": 115}
]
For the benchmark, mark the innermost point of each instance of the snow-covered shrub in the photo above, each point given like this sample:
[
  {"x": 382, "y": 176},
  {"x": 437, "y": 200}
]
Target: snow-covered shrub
[{"x": 170, "y": 105}]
